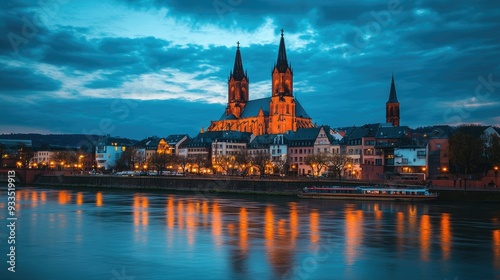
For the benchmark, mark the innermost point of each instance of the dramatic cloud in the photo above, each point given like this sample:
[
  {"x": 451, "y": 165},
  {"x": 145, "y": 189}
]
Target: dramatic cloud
[{"x": 144, "y": 67}]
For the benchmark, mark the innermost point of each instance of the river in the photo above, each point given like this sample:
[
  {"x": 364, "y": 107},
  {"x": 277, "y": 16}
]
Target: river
[{"x": 64, "y": 233}]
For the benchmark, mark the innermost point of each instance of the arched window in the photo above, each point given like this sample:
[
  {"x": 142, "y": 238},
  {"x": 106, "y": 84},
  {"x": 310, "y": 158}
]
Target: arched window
[{"x": 287, "y": 108}]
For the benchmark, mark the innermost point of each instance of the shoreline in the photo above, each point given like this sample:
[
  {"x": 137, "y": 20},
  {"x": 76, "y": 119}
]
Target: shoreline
[{"x": 237, "y": 185}]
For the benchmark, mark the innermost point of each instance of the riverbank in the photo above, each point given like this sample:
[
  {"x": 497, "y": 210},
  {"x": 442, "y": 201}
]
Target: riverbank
[{"x": 228, "y": 184}]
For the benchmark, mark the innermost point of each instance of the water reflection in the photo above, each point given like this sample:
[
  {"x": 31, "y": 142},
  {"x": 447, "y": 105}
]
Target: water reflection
[
  {"x": 400, "y": 227},
  {"x": 243, "y": 230},
  {"x": 64, "y": 197},
  {"x": 79, "y": 198},
  {"x": 216, "y": 224},
  {"x": 445, "y": 235},
  {"x": 425, "y": 236},
  {"x": 353, "y": 233},
  {"x": 496, "y": 248},
  {"x": 191, "y": 222},
  {"x": 294, "y": 223},
  {"x": 98, "y": 199},
  {"x": 283, "y": 235}
]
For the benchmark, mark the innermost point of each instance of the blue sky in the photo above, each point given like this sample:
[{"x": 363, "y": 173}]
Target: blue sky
[{"x": 139, "y": 68}]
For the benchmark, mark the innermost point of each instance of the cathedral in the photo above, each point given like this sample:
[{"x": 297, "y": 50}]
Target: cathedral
[{"x": 271, "y": 115}]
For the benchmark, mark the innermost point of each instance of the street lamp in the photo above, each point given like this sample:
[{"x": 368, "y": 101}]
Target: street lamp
[{"x": 496, "y": 175}]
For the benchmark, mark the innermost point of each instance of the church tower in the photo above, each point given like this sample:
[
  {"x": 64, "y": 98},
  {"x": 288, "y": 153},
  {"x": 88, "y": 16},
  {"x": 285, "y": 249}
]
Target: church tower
[
  {"x": 392, "y": 106},
  {"x": 237, "y": 87},
  {"x": 282, "y": 105},
  {"x": 282, "y": 73}
]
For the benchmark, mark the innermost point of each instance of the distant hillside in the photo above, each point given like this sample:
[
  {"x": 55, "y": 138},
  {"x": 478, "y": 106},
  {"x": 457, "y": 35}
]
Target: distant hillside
[{"x": 63, "y": 140}]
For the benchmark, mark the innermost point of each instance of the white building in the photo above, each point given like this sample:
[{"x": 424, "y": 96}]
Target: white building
[{"x": 110, "y": 149}]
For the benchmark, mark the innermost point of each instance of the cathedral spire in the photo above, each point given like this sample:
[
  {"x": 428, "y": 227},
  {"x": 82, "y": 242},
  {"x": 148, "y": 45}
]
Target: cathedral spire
[
  {"x": 393, "y": 98},
  {"x": 238, "y": 72},
  {"x": 282, "y": 63}
]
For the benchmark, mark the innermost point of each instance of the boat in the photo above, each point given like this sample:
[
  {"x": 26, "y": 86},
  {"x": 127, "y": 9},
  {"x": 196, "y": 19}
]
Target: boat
[{"x": 386, "y": 193}]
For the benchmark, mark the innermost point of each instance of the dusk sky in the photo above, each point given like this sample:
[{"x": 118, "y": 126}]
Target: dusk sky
[{"x": 139, "y": 68}]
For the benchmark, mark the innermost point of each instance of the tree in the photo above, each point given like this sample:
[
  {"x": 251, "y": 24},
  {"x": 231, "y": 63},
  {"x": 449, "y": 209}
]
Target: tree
[
  {"x": 24, "y": 155},
  {"x": 244, "y": 160},
  {"x": 338, "y": 163},
  {"x": 466, "y": 150},
  {"x": 200, "y": 161},
  {"x": 221, "y": 161},
  {"x": 2, "y": 152},
  {"x": 261, "y": 161},
  {"x": 182, "y": 161},
  {"x": 128, "y": 159},
  {"x": 160, "y": 161},
  {"x": 317, "y": 161},
  {"x": 281, "y": 164},
  {"x": 493, "y": 151},
  {"x": 63, "y": 158}
]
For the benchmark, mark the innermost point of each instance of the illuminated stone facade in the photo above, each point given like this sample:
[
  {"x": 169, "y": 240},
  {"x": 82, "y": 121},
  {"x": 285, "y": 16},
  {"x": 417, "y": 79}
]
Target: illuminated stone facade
[{"x": 272, "y": 115}]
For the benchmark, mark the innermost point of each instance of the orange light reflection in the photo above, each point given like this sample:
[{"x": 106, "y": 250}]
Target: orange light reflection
[
  {"x": 98, "y": 199},
  {"x": 170, "y": 213},
  {"x": 425, "y": 236},
  {"x": 353, "y": 234},
  {"x": 191, "y": 222},
  {"x": 445, "y": 235},
  {"x": 216, "y": 224},
  {"x": 294, "y": 223},
  {"x": 79, "y": 198},
  {"x": 400, "y": 227},
  {"x": 243, "y": 230},
  {"x": 496, "y": 248},
  {"x": 314, "y": 226}
]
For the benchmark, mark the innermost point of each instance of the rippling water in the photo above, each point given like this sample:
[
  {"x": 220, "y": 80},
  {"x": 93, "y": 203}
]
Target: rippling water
[{"x": 126, "y": 235}]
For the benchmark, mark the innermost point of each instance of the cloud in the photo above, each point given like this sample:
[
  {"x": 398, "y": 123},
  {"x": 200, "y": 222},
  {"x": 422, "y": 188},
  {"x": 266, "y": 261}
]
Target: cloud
[{"x": 176, "y": 56}]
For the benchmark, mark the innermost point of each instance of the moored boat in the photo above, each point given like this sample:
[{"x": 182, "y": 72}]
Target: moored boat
[{"x": 369, "y": 193}]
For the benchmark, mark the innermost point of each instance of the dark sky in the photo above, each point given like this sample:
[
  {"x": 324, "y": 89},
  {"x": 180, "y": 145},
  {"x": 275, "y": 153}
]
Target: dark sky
[{"x": 142, "y": 68}]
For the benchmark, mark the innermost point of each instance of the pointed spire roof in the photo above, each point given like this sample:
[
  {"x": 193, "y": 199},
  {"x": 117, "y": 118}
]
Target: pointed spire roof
[
  {"x": 238, "y": 72},
  {"x": 393, "y": 98},
  {"x": 282, "y": 63}
]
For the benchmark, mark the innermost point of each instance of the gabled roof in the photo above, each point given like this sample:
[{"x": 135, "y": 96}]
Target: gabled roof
[
  {"x": 173, "y": 139},
  {"x": 264, "y": 140},
  {"x": 304, "y": 137},
  {"x": 205, "y": 139},
  {"x": 115, "y": 141},
  {"x": 149, "y": 143},
  {"x": 392, "y": 132},
  {"x": 253, "y": 107}
]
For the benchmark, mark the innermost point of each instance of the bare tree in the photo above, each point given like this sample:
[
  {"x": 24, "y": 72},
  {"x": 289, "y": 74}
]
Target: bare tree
[
  {"x": 318, "y": 161},
  {"x": 182, "y": 161},
  {"x": 244, "y": 161},
  {"x": 200, "y": 161},
  {"x": 63, "y": 158},
  {"x": 281, "y": 164},
  {"x": 261, "y": 160},
  {"x": 159, "y": 161},
  {"x": 338, "y": 163}
]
